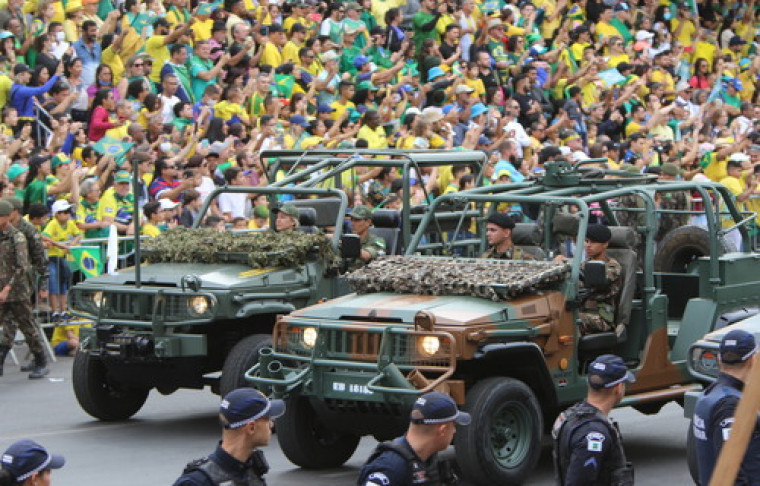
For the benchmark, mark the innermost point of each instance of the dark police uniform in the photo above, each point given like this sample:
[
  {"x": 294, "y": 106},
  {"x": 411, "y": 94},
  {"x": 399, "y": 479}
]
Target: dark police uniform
[
  {"x": 588, "y": 449},
  {"x": 220, "y": 468},
  {"x": 711, "y": 426},
  {"x": 396, "y": 464}
]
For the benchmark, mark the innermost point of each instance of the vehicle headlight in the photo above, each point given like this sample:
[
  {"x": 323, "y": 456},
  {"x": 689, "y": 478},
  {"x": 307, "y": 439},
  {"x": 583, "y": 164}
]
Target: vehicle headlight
[
  {"x": 198, "y": 305},
  {"x": 705, "y": 361},
  {"x": 309, "y": 337},
  {"x": 97, "y": 298},
  {"x": 429, "y": 345}
]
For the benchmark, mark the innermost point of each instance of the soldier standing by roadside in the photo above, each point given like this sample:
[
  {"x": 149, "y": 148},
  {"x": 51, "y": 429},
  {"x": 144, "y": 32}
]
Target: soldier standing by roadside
[
  {"x": 16, "y": 294},
  {"x": 38, "y": 269},
  {"x": 588, "y": 449}
]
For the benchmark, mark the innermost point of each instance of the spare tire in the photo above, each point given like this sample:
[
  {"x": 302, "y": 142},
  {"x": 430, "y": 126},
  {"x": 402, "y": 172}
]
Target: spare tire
[{"x": 683, "y": 245}]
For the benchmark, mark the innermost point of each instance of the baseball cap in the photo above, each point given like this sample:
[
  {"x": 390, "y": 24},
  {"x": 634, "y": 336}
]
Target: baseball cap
[
  {"x": 477, "y": 109},
  {"x": 324, "y": 108},
  {"x": 736, "y": 41},
  {"x": 644, "y": 35},
  {"x": 288, "y": 208},
  {"x": 167, "y": 204},
  {"x": 361, "y": 212},
  {"x": 329, "y": 56},
  {"x": 435, "y": 72},
  {"x": 59, "y": 160},
  {"x": 299, "y": 120},
  {"x": 244, "y": 405},
  {"x": 739, "y": 157},
  {"x": 6, "y": 208},
  {"x": 122, "y": 176},
  {"x": 15, "y": 170},
  {"x": 6, "y": 34},
  {"x": 495, "y": 23},
  {"x": 432, "y": 114},
  {"x": 737, "y": 346},
  {"x": 598, "y": 233},
  {"x": 360, "y": 61},
  {"x": 60, "y": 206},
  {"x": 501, "y": 220},
  {"x": 353, "y": 6},
  {"x": 26, "y": 457},
  {"x": 607, "y": 371},
  {"x": 463, "y": 88},
  {"x": 21, "y": 68},
  {"x": 437, "y": 408}
]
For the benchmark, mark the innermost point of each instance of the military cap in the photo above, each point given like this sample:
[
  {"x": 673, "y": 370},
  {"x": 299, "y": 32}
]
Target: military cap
[
  {"x": 15, "y": 202},
  {"x": 502, "y": 220},
  {"x": 5, "y": 208},
  {"x": 598, "y": 233},
  {"x": 630, "y": 168},
  {"x": 670, "y": 169},
  {"x": 288, "y": 208},
  {"x": 361, "y": 212}
]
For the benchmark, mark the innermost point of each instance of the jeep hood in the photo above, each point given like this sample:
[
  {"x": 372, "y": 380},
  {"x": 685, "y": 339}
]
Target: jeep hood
[
  {"x": 448, "y": 310},
  {"x": 751, "y": 325},
  {"x": 212, "y": 275}
]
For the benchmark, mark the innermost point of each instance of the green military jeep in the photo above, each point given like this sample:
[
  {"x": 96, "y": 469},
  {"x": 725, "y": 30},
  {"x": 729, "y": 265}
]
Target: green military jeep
[
  {"x": 501, "y": 336},
  {"x": 191, "y": 319}
]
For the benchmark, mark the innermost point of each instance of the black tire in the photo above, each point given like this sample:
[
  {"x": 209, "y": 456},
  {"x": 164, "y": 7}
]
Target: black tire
[
  {"x": 101, "y": 397},
  {"x": 307, "y": 443},
  {"x": 682, "y": 246},
  {"x": 503, "y": 443},
  {"x": 649, "y": 408},
  {"x": 242, "y": 357},
  {"x": 691, "y": 455}
]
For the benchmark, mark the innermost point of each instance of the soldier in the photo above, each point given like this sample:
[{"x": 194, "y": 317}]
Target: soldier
[
  {"x": 372, "y": 246},
  {"x": 588, "y": 449},
  {"x": 38, "y": 260},
  {"x": 286, "y": 217},
  {"x": 715, "y": 409},
  {"x": 412, "y": 459},
  {"x": 675, "y": 200},
  {"x": 598, "y": 308},
  {"x": 246, "y": 417},
  {"x": 16, "y": 294},
  {"x": 499, "y": 228}
]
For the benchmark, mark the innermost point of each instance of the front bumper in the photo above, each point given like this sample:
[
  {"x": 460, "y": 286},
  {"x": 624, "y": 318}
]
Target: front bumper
[{"x": 354, "y": 361}]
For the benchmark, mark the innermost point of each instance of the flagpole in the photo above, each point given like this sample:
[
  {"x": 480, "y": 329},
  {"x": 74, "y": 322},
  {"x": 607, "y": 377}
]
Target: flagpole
[{"x": 136, "y": 221}]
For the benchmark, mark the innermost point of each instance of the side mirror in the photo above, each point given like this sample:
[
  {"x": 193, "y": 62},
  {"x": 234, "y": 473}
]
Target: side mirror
[
  {"x": 350, "y": 246},
  {"x": 594, "y": 274}
]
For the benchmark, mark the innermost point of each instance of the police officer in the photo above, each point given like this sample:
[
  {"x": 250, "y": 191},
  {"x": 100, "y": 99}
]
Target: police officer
[
  {"x": 372, "y": 246},
  {"x": 715, "y": 409},
  {"x": 588, "y": 449},
  {"x": 246, "y": 417},
  {"x": 499, "y": 228},
  {"x": 16, "y": 294},
  {"x": 412, "y": 459},
  {"x": 27, "y": 463}
]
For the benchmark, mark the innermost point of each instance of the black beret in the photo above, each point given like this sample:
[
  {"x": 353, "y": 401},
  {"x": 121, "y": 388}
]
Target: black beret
[
  {"x": 501, "y": 220},
  {"x": 598, "y": 233}
]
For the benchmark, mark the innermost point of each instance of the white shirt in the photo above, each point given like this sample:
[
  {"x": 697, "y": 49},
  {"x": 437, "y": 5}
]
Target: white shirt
[
  {"x": 237, "y": 205},
  {"x": 521, "y": 136},
  {"x": 167, "y": 108}
]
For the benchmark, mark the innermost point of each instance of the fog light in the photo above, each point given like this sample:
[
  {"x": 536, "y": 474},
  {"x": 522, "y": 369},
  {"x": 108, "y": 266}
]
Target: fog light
[
  {"x": 97, "y": 298},
  {"x": 429, "y": 345},
  {"x": 309, "y": 337},
  {"x": 198, "y": 305}
]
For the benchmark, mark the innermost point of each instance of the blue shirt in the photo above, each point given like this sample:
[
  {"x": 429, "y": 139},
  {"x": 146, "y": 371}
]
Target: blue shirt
[
  {"x": 22, "y": 97},
  {"x": 90, "y": 59},
  {"x": 514, "y": 174}
]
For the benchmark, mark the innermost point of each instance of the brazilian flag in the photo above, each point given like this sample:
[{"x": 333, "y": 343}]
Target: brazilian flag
[
  {"x": 113, "y": 147},
  {"x": 576, "y": 13},
  {"x": 88, "y": 260},
  {"x": 208, "y": 8},
  {"x": 285, "y": 84}
]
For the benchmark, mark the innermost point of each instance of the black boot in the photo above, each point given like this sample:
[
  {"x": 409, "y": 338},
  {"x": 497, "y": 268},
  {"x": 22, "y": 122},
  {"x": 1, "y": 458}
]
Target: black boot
[
  {"x": 29, "y": 366},
  {"x": 3, "y": 353},
  {"x": 40, "y": 367}
]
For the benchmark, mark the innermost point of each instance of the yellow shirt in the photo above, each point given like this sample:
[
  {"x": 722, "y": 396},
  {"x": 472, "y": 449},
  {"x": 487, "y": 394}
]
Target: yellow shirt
[
  {"x": 226, "y": 110},
  {"x": 290, "y": 52},
  {"x": 61, "y": 234},
  {"x": 5, "y": 89},
  {"x": 605, "y": 30},
  {"x": 632, "y": 128},
  {"x": 60, "y": 333},
  {"x": 477, "y": 85},
  {"x": 379, "y": 7},
  {"x": 150, "y": 229},
  {"x": 114, "y": 61},
  {"x": 748, "y": 86},
  {"x": 289, "y": 21},
  {"x": 271, "y": 56},
  {"x": 202, "y": 29},
  {"x": 686, "y": 36},
  {"x": 339, "y": 109},
  {"x": 706, "y": 51},
  {"x": 716, "y": 170},
  {"x": 548, "y": 26},
  {"x": 375, "y": 138},
  {"x": 158, "y": 51},
  {"x": 663, "y": 77},
  {"x": 615, "y": 60}
]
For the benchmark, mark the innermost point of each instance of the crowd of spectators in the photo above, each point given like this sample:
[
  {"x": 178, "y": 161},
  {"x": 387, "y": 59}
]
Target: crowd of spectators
[{"x": 194, "y": 92}]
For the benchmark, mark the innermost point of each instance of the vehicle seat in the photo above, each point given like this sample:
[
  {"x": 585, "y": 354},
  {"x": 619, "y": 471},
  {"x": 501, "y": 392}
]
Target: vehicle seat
[
  {"x": 619, "y": 248},
  {"x": 387, "y": 225},
  {"x": 527, "y": 237},
  {"x": 564, "y": 227},
  {"x": 325, "y": 210},
  {"x": 307, "y": 217}
]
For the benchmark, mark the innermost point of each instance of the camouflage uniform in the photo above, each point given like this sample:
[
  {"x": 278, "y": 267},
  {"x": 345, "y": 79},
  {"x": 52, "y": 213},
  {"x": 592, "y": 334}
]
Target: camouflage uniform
[
  {"x": 512, "y": 253},
  {"x": 16, "y": 312},
  {"x": 598, "y": 308},
  {"x": 372, "y": 244},
  {"x": 37, "y": 255},
  {"x": 677, "y": 200}
]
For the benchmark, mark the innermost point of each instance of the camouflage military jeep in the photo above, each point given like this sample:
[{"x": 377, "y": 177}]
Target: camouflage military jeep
[
  {"x": 501, "y": 336},
  {"x": 200, "y": 311}
]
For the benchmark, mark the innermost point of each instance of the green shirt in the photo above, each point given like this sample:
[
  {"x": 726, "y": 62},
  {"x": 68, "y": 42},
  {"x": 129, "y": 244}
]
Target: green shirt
[
  {"x": 196, "y": 66},
  {"x": 418, "y": 21}
]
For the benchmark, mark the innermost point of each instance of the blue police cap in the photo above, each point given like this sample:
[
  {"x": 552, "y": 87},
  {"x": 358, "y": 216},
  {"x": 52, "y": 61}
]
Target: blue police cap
[
  {"x": 244, "y": 405},
  {"x": 737, "y": 346},
  {"x": 437, "y": 408},
  {"x": 26, "y": 457},
  {"x": 607, "y": 371}
]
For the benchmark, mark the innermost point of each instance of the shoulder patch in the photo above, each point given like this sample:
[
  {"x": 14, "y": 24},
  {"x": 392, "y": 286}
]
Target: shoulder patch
[
  {"x": 594, "y": 441},
  {"x": 377, "y": 479}
]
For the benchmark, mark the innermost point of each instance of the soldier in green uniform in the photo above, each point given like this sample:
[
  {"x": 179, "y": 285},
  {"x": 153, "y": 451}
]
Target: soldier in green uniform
[
  {"x": 674, "y": 200},
  {"x": 372, "y": 246},
  {"x": 16, "y": 294},
  {"x": 499, "y": 228},
  {"x": 598, "y": 309}
]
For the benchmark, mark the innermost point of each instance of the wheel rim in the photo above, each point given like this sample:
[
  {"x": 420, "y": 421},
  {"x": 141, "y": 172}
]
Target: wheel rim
[{"x": 510, "y": 434}]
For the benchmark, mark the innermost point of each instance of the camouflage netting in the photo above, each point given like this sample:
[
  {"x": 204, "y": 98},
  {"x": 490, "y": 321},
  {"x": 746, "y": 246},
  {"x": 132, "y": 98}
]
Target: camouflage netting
[
  {"x": 491, "y": 279},
  {"x": 260, "y": 249}
]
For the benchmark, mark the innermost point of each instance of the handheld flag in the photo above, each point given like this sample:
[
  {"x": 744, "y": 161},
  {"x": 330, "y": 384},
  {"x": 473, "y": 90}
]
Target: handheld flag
[
  {"x": 88, "y": 260},
  {"x": 207, "y": 8},
  {"x": 141, "y": 21},
  {"x": 113, "y": 147},
  {"x": 611, "y": 77},
  {"x": 285, "y": 84}
]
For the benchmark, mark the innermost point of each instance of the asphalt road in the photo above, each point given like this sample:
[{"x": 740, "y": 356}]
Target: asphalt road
[{"x": 153, "y": 447}]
